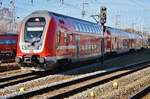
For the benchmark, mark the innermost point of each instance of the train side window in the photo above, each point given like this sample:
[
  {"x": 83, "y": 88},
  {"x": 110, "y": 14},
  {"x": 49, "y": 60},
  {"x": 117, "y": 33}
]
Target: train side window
[
  {"x": 8, "y": 42},
  {"x": 76, "y": 27},
  {"x": 82, "y": 28},
  {"x": 14, "y": 41},
  {"x": 90, "y": 28},
  {"x": 58, "y": 38},
  {"x": 70, "y": 37},
  {"x": 79, "y": 27},
  {"x": 94, "y": 29},
  {"x": 87, "y": 29},
  {"x": 97, "y": 29},
  {"x": 65, "y": 38},
  {"x": 1, "y": 42}
]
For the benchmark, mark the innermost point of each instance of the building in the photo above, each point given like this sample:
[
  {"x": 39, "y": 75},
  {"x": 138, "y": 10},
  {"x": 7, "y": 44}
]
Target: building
[{"x": 7, "y": 21}]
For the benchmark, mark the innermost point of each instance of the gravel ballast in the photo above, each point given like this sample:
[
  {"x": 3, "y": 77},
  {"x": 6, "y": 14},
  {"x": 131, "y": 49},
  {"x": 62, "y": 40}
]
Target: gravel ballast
[
  {"x": 127, "y": 86},
  {"x": 55, "y": 78}
]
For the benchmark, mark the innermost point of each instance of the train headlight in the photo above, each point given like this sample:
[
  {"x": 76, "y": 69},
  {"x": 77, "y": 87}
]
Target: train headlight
[
  {"x": 41, "y": 60},
  {"x": 18, "y": 60}
]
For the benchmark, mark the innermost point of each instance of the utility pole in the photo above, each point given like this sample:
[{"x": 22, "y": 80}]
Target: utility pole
[
  {"x": 12, "y": 2},
  {"x": 83, "y": 9},
  {"x": 103, "y": 17}
]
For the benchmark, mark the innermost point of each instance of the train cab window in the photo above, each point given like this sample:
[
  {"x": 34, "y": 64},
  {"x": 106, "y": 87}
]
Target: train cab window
[{"x": 34, "y": 28}]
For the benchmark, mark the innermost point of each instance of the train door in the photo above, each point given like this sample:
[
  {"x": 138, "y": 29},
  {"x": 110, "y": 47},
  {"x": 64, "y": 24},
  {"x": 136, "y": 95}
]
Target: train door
[
  {"x": 66, "y": 43},
  {"x": 69, "y": 43},
  {"x": 108, "y": 42},
  {"x": 77, "y": 40}
]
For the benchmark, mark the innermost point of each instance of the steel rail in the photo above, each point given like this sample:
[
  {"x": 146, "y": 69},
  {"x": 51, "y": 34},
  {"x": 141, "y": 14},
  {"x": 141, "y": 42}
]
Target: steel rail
[
  {"x": 141, "y": 93},
  {"x": 55, "y": 86},
  {"x": 12, "y": 80}
]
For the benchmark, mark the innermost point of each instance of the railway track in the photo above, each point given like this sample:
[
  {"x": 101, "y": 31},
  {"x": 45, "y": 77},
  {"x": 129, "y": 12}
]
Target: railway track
[
  {"x": 28, "y": 76},
  {"x": 143, "y": 92},
  {"x": 12, "y": 80},
  {"x": 8, "y": 67},
  {"x": 75, "y": 85},
  {"x": 21, "y": 78},
  {"x": 7, "y": 60}
]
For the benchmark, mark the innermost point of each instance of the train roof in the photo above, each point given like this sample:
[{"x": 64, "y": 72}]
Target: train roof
[
  {"x": 79, "y": 25},
  {"x": 87, "y": 24},
  {"x": 61, "y": 15},
  {"x": 120, "y": 33},
  {"x": 136, "y": 36}
]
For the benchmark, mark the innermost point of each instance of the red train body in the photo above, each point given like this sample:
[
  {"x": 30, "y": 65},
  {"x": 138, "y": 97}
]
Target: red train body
[
  {"x": 8, "y": 44},
  {"x": 46, "y": 38}
]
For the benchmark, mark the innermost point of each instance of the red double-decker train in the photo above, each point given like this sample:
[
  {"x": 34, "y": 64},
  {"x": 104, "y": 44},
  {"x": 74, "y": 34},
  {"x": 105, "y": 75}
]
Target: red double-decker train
[
  {"x": 47, "y": 38},
  {"x": 8, "y": 45}
]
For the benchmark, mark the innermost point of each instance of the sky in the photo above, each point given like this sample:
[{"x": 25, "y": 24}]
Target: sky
[{"x": 120, "y": 13}]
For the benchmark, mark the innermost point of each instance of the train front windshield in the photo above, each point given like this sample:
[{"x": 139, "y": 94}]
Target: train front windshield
[{"x": 34, "y": 28}]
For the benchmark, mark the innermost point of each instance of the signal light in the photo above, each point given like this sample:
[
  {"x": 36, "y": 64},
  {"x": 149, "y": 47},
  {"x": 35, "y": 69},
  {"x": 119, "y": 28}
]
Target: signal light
[{"x": 103, "y": 15}]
